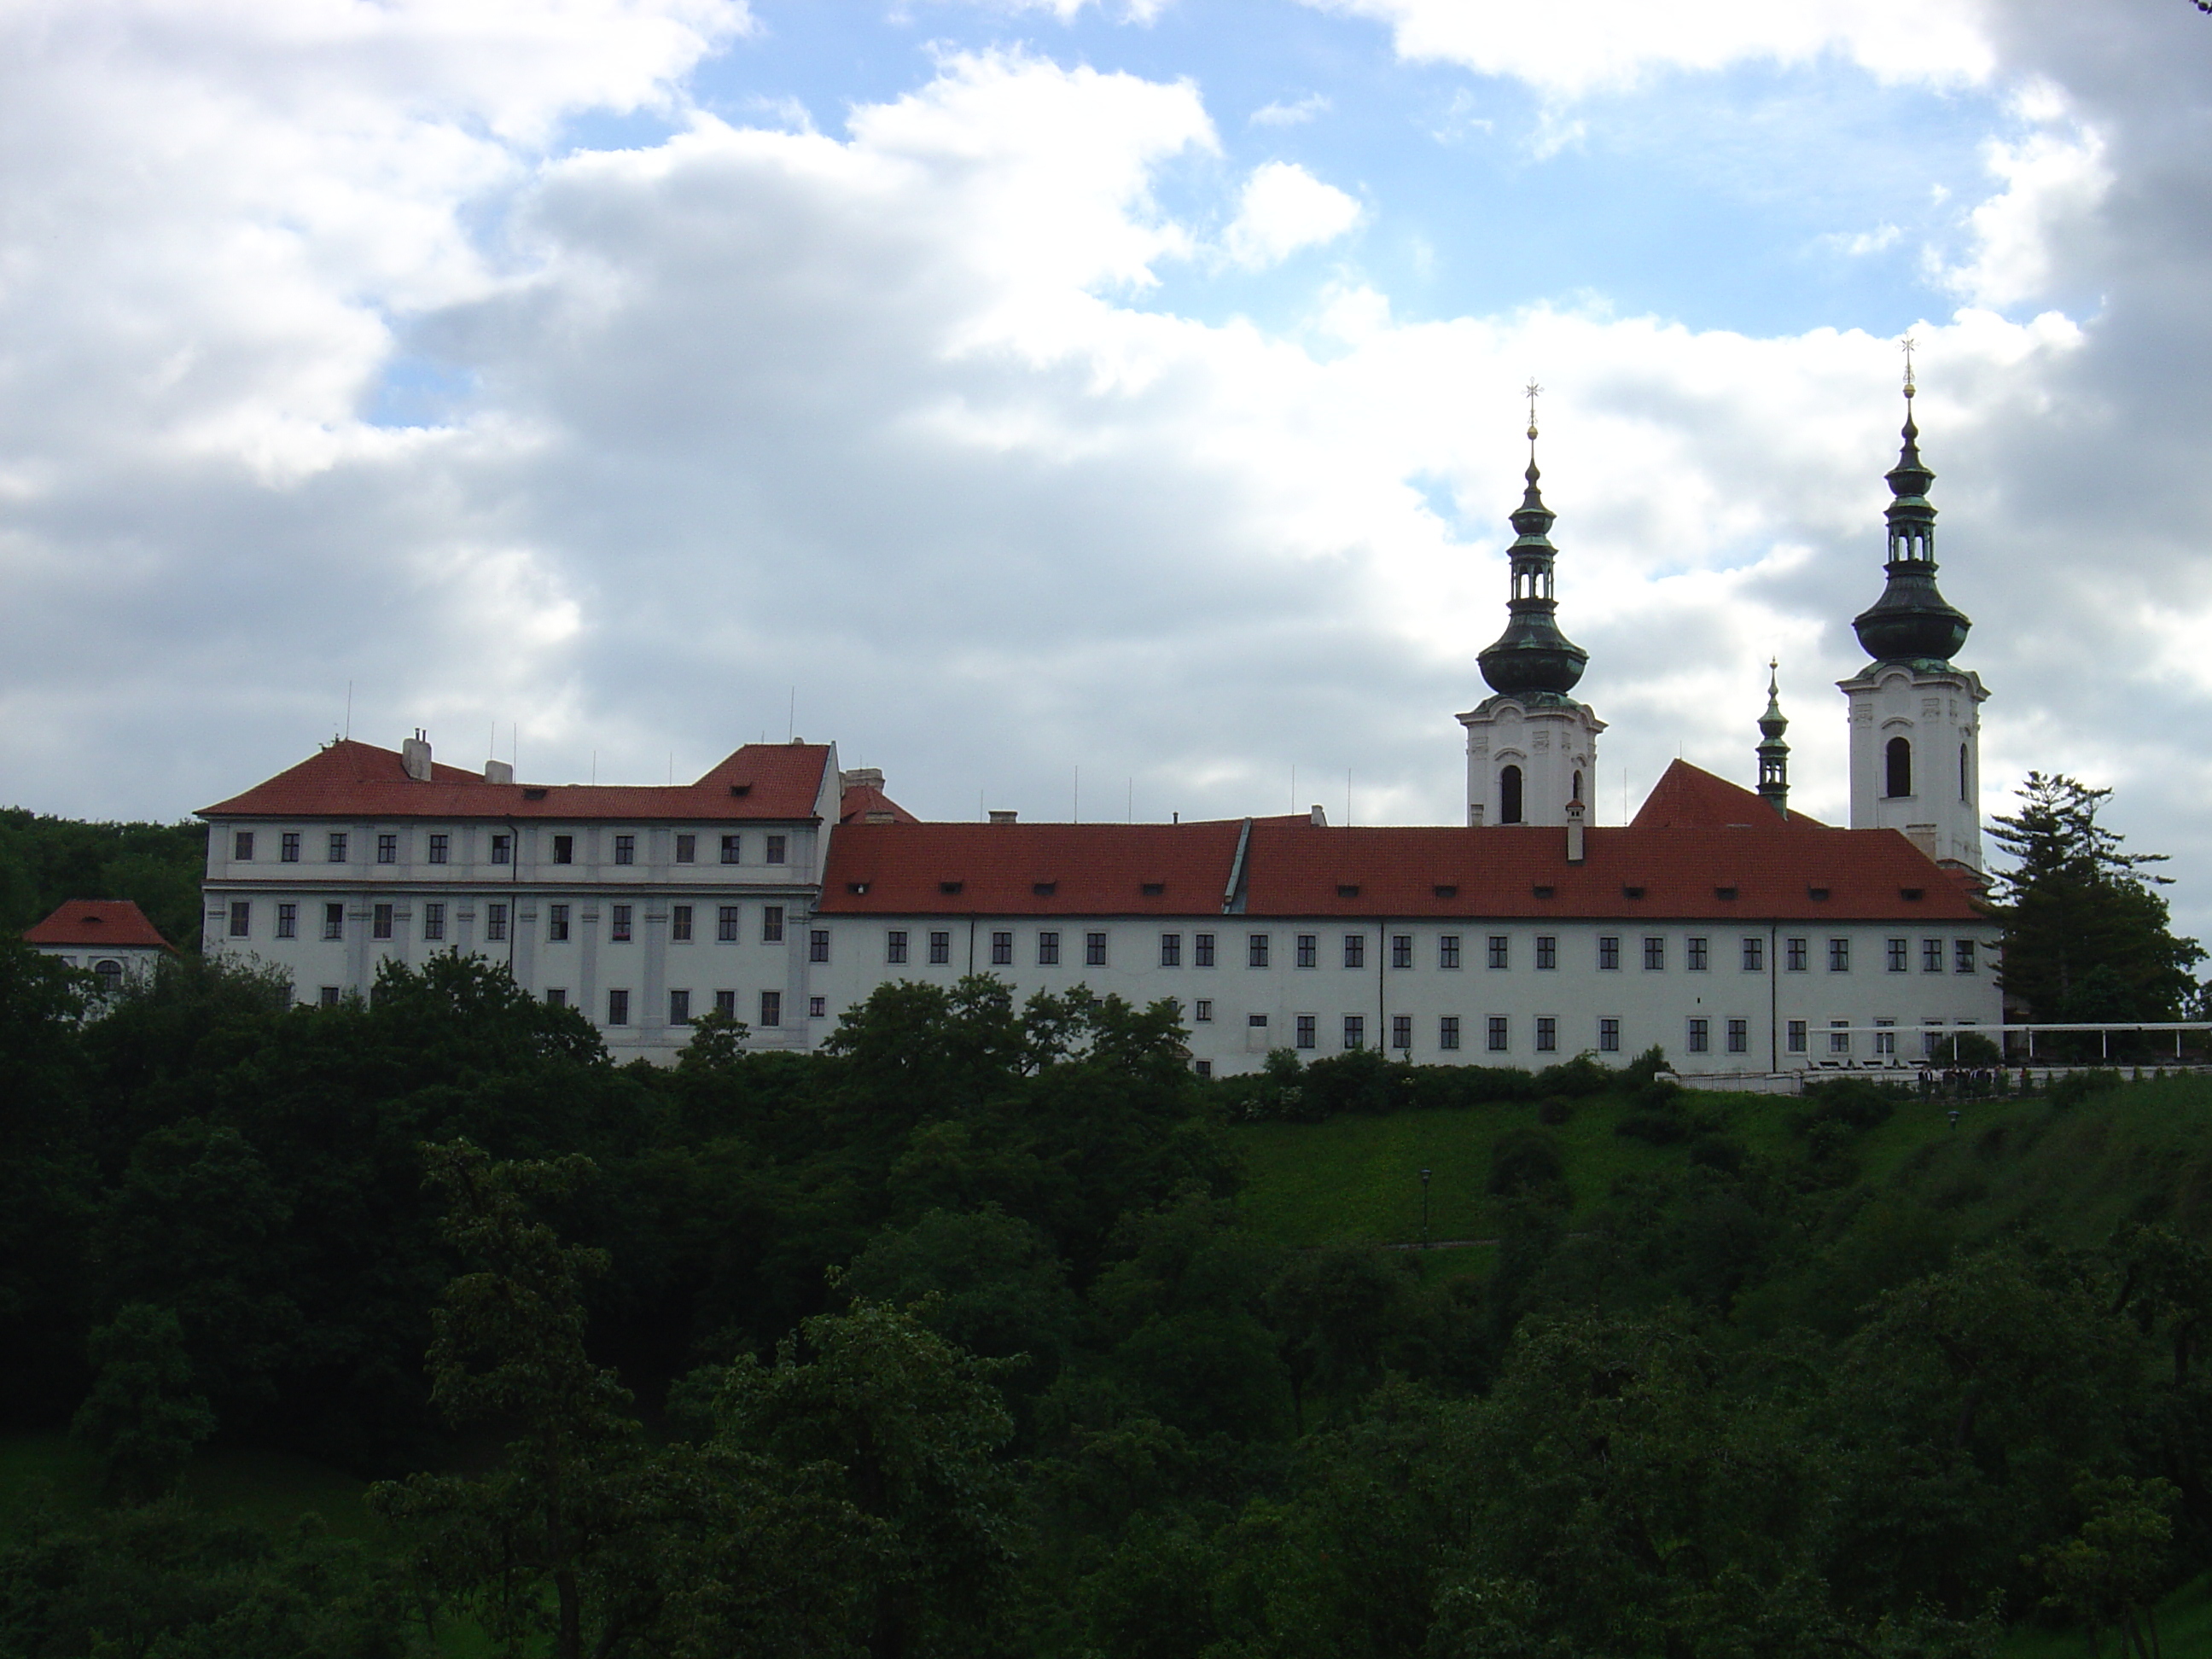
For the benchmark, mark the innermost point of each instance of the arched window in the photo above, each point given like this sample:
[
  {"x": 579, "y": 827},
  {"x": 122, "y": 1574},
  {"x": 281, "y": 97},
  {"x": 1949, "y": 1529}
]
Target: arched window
[
  {"x": 1963, "y": 793},
  {"x": 1509, "y": 795},
  {"x": 1578, "y": 786},
  {"x": 111, "y": 974},
  {"x": 1900, "y": 756}
]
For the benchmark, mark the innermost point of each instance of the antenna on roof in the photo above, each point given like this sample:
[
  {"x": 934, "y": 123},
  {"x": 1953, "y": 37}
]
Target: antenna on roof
[
  {"x": 595, "y": 768},
  {"x": 349, "y": 725},
  {"x": 791, "y": 723}
]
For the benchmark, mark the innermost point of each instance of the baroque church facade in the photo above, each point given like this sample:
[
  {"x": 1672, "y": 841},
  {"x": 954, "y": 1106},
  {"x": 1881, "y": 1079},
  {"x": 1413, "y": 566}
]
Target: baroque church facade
[{"x": 1744, "y": 938}]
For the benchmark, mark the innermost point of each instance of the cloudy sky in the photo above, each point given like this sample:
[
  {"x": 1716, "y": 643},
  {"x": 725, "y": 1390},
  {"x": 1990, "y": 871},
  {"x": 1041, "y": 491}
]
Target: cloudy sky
[{"x": 1006, "y": 391}]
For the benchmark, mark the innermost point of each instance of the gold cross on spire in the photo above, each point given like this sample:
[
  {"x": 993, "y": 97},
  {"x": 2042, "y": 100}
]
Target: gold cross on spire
[{"x": 1906, "y": 344}]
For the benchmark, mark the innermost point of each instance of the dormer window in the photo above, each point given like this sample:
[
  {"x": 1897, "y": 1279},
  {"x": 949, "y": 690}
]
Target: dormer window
[
  {"x": 1044, "y": 888},
  {"x": 949, "y": 888},
  {"x": 1542, "y": 890},
  {"x": 1816, "y": 892},
  {"x": 1445, "y": 890},
  {"x": 1153, "y": 889},
  {"x": 1912, "y": 892},
  {"x": 1347, "y": 889},
  {"x": 1632, "y": 892},
  {"x": 1724, "y": 892}
]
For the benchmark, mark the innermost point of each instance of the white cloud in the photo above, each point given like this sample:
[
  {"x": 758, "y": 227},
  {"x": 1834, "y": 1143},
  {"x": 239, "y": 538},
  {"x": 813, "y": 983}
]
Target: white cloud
[
  {"x": 1610, "y": 43},
  {"x": 2055, "y": 179},
  {"x": 1858, "y": 244},
  {"x": 1279, "y": 114},
  {"x": 1283, "y": 209}
]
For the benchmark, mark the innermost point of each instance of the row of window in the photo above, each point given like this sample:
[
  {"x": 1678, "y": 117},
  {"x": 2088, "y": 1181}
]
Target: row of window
[
  {"x": 560, "y": 925},
  {"x": 1305, "y": 952},
  {"x": 1497, "y": 1033},
  {"x": 770, "y": 1004},
  {"x": 338, "y": 847}
]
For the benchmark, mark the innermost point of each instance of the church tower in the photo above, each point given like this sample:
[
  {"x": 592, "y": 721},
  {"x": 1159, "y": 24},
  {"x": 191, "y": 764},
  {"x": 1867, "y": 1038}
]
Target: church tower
[
  {"x": 1531, "y": 748},
  {"x": 1915, "y": 717}
]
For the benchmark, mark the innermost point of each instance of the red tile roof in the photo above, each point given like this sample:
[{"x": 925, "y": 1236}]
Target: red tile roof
[
  {"x": 865, "y": 803},
  {"x": 999, "y": 869},
  {"x": 92, "y": 923},
  {"x": 1688, "y": 797},
  {"x": 349, "y": 779},
  {"x": 1294, "y": 869}
]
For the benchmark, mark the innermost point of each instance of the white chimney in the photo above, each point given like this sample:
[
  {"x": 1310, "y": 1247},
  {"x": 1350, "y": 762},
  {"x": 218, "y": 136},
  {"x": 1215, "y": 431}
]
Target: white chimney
[
  {"x": 1318, "y": 818},
  {"x": 1574, "y": 832},
  {"x": 498, "y": 772},
  {"x": 861, "y": 777},
  {"x": 1000, "y": 815},
  {"x": 415, "y": 756}
]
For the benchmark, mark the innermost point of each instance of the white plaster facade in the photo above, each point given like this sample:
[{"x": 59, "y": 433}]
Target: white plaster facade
[
  {"x": 1921, "y": 727},
  {"x": 1551, "y": 743}
]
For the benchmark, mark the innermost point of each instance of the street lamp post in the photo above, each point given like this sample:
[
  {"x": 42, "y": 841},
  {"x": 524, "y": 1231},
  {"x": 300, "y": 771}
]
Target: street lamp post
[{"x": 1424, "y": 1209}]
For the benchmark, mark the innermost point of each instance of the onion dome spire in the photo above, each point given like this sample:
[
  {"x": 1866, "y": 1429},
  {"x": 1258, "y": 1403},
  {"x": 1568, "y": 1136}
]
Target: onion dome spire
[
  {"x": 1532, "y": 655},
  {"x": 1910, "y": 620},
  {"x": 1774, "y": 753}
]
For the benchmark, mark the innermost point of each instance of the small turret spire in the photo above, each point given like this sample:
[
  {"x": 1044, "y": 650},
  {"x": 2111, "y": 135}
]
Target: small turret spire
[
  {"x": 1911, "y": 621},
  {"x": 1774, "y": 753},
  {"x": 1532, "y": 656}
]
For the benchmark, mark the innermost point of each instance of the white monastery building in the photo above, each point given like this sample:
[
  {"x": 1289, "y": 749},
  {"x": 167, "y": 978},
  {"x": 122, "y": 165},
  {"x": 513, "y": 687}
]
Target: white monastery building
[
  {"x": 1738, "y": 936},
  {"x": 111, "y": 939}
]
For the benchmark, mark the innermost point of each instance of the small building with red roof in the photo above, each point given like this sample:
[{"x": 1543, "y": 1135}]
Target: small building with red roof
[{"x": 109, "y": 938}]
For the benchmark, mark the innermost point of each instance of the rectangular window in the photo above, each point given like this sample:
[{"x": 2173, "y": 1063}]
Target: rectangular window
[
  {"x": 379, "y": 922},
  {"x": 1884, "y": 1040},
  {"x": 1547, "y": 953},
  {"x": 1608, "y": 1036},
  {"x": 1839, "y": 1036},
  {"x": 564, "y": 849},
  {"x": 496, "y": 923},
  {"x": 680, "y": 1007},
  {"x": 387, "y": 849},
  {"x": 1547, "y": 1035},
  {"x": 241, "y": 918},
  {"x": 1755, "y": 954},
  {"x": 441, "y": 849},
  {"x": 1355, "y": 1031},
  {"x": 1355, "y": 950},
  {"x": 687, "y": 850},
  {"x": 338, "y": 847},
  {"x": 771, "y": 924},
  {"x": 1202, "y": 1012},
  {"x": 1739, "y": 1036},
  {"x": 625, "y": 849},
  {"x": 288, "y": 847},
  {"x": 1898, "y": 950},
  {"x": 1447, "y": 1031},
  {"x": 725, "y": 924},
  {"x": 1306, "y": 1037},
  {"x": 1793, "y": 955},
  {"x": 334, "y": 921},
  {"x": 1501, "y": 950},
  {"x": 1170, "y": 950},
  {"x": 503, "y": 849},
  {"x": 433, "y": 921},
  {"x": 679, "y": 923},
  {"x": 1255, "y": 950},
  {"x": 1839, "y": 956},
  {"x": 895, "y": 947},
  {"x": 1931, "y": 956},
  {"x": 1203, "y": 1067},
  {"x": 1962, "y": 951},
  {"x": 1609, "y": 952},
  {"x": 241, "y": 847},
  {"x": 1694, "y": 955},
  {"x": 771, "y": 1008},
  {"x": 1401, "y": 950},
  {"x": 555, "y": 997},
  {"x": 725, "y": 1004},
  {"x": 618, "y": 925},
  {"x": 617, "y": 1008},
  {"x": 1401, "y": 1031},
  {"x": 818, "y": 944},
  {"x": 288, "y": 922},
  {"x": 557, "y": 921},
  {"x": 1094, "y": 950},
  {"x": 1794, "y": 1036},
  {"x": 1498, "y": 1034},
  {"x": 730, "y": 845},
  {"x": 1448, "y": 951},
  {"x": 1201, "y": 950},
  {"x": 1655, "y": 953},
  {"x": 1699, "y": 1040},
  {"x": 328, "y": 996},
  {"x": 817, "y": 1008},
  {"x": 940, "y": 948},
  {"x": 1306, "y": 947},
  {"x": 1002, "y": 949},
  {"x": 775, "y": 848}
]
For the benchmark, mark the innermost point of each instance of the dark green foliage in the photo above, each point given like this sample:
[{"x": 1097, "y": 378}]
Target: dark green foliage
[
  {"x": 142, "y": 1415},
  {"x": 1526, "y": 1163},
  {"x": 47, "y": 861}
]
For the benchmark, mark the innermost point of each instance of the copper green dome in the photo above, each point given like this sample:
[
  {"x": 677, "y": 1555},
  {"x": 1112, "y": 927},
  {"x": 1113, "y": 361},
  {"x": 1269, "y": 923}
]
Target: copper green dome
[
  {"x": 1910, "y": 622},
  {"x": 1531, "y": 657}
]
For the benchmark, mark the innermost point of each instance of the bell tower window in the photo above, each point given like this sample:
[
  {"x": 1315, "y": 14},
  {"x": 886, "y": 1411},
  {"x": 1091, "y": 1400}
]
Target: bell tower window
[
  {"x": 1964, "y": 794},
  {"x": 1509, "y": 795},
  {"x": 1897, "y": 766}
]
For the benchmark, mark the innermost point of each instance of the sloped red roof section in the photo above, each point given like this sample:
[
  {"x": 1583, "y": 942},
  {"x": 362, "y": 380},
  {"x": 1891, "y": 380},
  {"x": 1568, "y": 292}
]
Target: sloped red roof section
[
  {"x": 1030, "y": 869},
  {"x": 865, "y": 803},
  {"x": 89, "y": 923},
  {"x": 350, "y": 779},
  {"x": 1688, "y": 797}
]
